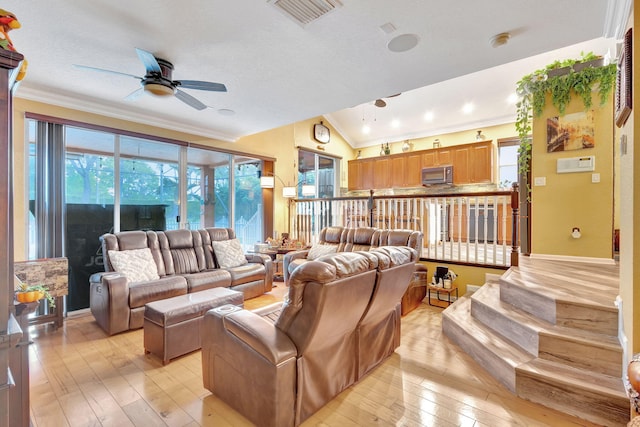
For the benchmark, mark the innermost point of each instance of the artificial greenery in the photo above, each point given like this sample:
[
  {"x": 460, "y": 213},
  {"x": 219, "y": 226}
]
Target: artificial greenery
[
  {"x": 533, "y": 89},
  {"x": 38, "y": 288}
]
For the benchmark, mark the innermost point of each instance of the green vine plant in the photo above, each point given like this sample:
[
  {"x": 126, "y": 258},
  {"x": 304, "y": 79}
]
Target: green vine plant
[{"x": 533, "y": 88}]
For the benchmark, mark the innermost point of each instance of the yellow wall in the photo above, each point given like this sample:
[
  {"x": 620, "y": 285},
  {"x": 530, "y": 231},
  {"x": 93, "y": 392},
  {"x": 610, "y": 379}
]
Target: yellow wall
[
  {"x": 282, "y": 143},
  {"x": 467, "y": 275},
  {"x": 278, "y": 143},
  {"x": 570, "y": 199}
]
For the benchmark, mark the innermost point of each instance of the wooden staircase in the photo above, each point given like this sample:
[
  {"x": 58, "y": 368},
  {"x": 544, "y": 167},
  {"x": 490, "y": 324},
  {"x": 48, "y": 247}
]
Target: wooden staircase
[{"x": 548, "y": 331}]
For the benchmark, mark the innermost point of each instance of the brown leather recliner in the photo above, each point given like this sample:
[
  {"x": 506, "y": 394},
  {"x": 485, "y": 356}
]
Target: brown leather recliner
[
  {"x": 339, "y": 320},
  {"x": 379, "y": 329},
  {"x": 280, "y": 374}
]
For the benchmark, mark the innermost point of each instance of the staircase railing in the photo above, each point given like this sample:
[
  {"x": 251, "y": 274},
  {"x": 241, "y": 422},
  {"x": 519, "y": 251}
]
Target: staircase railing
[{"x": 469, "y": 228}]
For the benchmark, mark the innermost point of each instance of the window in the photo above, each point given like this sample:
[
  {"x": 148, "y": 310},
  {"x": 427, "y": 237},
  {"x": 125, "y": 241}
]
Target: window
[
  {"x": 508, "y": 161},
  {"x": 317, "y": 172},
  {"x": 85, "y": 182}
]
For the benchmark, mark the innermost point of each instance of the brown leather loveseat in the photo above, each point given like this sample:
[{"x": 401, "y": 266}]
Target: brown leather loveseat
[
  {"x": 339, "y": 320},
  {"x": 156, "y": 265}
]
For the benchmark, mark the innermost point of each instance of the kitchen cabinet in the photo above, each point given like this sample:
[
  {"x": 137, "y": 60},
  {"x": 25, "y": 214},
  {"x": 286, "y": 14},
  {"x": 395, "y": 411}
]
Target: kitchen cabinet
[
  {"x": 461, "y": 172},
  {"x": 444, "y": 156},
  {"x": 472, "y": 164},
  {"x": 382, "y": 173},
  {"x": 360, "y": 174},
  {"x": 399, "y": 171},
  {"x": 413, "y": 168},
  {"x": 482, "y": 162}
]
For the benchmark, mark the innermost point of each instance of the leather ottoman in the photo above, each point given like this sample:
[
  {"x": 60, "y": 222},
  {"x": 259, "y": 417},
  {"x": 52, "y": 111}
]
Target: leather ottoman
[{"x": 172, "y": 325}]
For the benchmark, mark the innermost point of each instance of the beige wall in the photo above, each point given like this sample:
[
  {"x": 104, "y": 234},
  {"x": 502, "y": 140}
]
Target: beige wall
[
  {"x": 571, "y": 200},
  {"x": 629, "y": 214},
  {"x": 446, "y": 140}
]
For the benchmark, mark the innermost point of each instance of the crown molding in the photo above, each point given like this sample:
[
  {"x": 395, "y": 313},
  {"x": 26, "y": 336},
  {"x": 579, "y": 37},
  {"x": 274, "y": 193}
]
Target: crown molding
[{"x": 88, "y": 106}]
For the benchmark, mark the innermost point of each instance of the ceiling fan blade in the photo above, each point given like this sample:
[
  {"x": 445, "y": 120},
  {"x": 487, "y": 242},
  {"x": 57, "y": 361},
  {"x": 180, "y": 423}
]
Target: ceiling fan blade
[
  {"x": 134, "y": 95},
  {"x": 197, "y": 84},
  {"x": 189, "y": 100},
  {"x": 102, "y": 70},
  {"x": 380, "y": 103},
  {"x": 150, "y": 62}
]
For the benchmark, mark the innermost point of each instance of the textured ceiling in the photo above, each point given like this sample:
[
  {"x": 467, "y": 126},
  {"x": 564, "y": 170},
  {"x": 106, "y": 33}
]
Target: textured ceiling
[{"x": 278, "y": 72}]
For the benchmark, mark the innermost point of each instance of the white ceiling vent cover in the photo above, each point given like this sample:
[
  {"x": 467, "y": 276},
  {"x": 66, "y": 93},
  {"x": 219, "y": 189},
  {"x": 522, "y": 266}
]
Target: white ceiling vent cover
[{"x": 305, "y": 11}]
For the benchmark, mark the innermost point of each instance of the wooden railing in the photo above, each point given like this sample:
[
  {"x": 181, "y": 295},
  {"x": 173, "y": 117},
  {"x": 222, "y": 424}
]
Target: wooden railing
[{"x": 470, "y": 228}]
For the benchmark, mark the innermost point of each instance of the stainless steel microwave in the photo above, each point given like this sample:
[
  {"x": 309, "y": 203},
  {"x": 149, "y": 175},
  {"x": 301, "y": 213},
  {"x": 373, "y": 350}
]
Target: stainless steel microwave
[{"x": 437, "y": 175}]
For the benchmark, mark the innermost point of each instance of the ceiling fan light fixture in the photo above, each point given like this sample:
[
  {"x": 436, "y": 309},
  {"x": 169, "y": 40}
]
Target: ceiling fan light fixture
[{"x": 160, "y": 90}]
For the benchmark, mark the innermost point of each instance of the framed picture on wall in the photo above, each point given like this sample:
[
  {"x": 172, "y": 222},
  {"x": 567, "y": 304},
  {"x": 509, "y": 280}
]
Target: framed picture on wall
[
  {"x": 623, "y": 81},
  {"x": 573, "y": 131}
]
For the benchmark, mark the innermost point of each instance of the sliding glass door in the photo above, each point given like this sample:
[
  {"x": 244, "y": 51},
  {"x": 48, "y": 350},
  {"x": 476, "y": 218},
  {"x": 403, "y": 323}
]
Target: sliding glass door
[{"x": 85, "y": 182}]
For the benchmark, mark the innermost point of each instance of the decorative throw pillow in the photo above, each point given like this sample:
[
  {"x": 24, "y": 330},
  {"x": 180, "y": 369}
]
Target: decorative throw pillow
[
  {"x": 317, "y": 250},
  {"x": 137, "y": 264},
  {"x": 229, "y": 253}
]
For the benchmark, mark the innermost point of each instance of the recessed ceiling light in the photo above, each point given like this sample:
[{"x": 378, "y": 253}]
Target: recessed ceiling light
[
  {"x": 395, "y": 123},
  {"x": 403, "y": 43},
  {"x": 366, "y": 129},
  {"x": 428, "y": 116},
  {"x": 467, "y": 108},
  {"x": 499, "y": 39},
  {"x": 513, "y": 98},
  {"x": 226, "y": 112}
]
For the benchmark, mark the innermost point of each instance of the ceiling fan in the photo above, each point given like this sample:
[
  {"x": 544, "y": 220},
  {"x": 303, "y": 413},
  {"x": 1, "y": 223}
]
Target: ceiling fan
[
  {"x": 381, "y": 103},
  {"x": 158, "y": 81}
]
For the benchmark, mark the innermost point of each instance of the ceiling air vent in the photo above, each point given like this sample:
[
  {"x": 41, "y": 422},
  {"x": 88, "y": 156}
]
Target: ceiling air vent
[{"x": 305, "y": 11}]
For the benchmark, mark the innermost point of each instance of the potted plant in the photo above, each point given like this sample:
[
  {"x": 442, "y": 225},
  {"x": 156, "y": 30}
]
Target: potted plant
[{"x": 32, "y": 293}]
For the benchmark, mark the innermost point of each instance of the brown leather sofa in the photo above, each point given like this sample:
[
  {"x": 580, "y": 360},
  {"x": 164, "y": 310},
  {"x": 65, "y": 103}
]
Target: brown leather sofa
[
  {"x": 185, "y": 262},
  {"x": 341, "y": 318},
  {"x": 354, "y": 239}
]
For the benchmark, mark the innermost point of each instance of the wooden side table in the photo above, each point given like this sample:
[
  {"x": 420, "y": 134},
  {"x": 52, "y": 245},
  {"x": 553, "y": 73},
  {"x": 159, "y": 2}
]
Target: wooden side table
[
  {"x": 438, "y": 291},
  {"x": 415, "y": 293}
]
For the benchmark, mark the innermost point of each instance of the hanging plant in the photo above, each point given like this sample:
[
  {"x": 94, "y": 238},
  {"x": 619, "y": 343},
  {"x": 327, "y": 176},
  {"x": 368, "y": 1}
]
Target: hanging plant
[{"x": 559, "y": 78}]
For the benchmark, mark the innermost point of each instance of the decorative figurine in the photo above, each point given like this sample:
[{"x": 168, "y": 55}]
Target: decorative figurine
[{"x": 8, "y": 22}]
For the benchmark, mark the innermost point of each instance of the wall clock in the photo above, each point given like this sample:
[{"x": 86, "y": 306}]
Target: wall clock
[{"x": 321, "y": 133}]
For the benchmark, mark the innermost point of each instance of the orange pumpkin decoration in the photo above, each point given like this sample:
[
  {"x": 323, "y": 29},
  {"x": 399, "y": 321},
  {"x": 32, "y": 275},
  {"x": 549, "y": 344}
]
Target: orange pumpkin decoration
[{"x": 26, "y": 296}]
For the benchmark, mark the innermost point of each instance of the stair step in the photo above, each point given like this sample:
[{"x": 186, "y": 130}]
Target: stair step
[
  {"x": 595, "y": 397},
  {"x": 597, "y": 283},
  {"x": 496, "y": 355},
  {"x": 578, "y": 348},
  {"x": 505, "y": 319},
  {"x": 603, "y": 356},
  {"x": 582, "y": 309}
]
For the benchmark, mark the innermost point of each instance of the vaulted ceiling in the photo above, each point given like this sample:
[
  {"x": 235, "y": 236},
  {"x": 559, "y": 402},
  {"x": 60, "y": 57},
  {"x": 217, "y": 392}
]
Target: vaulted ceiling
[{"x": 278, "y": 71}]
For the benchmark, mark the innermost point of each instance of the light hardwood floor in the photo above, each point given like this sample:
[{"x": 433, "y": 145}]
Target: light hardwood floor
[{"x": 81, "y": 377}]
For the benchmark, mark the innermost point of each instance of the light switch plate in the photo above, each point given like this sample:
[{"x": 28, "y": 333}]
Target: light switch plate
[
  {"x": 595, "y": 178},
  {"x": 540, "y": 181}
]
